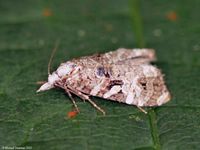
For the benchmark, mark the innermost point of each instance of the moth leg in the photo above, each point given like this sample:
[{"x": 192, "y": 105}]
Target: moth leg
[
  {"x": 72, "y": 99},
  {"x": 96, "y": 106},
  {"x": 85, "y": 97},
  {"x": 141, "y": 109}
]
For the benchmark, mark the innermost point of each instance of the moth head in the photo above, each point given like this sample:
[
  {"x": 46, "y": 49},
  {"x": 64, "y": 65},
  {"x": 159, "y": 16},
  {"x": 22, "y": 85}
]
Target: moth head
[{"x": 63, "y": 70}]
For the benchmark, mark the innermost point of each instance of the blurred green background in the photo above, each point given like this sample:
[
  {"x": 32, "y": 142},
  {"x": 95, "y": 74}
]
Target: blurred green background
[{"x": 28, "y": 31}]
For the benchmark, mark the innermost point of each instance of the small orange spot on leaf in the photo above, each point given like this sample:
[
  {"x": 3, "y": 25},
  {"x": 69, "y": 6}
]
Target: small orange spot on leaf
[
  {"x": 172, "y": 16},
  {"x": 109, "y": 27},
  {"x": 47, "y": 12},
  {"x": 72, "y": 114}
]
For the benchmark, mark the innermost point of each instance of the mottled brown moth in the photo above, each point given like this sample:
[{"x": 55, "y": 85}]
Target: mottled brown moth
[{"x": 124, "y": 75}]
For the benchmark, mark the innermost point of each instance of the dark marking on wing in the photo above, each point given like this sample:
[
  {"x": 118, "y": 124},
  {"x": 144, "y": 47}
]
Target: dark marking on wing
[
  {"x": 115, "y": 82},
  {"x": 100, "y": 71},
  {"x": 104, "y": 71}
]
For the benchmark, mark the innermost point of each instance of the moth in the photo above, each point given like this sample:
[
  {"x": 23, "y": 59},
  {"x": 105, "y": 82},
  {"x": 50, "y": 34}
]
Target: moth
[{"x": 123, "y": 75}]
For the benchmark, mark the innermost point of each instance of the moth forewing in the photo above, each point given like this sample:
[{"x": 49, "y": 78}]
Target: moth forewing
[{"x": 124, "y": 75}]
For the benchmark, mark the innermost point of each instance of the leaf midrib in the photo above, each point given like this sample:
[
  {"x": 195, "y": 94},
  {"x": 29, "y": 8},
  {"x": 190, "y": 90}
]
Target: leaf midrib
[{"x": 140, "y": 42}]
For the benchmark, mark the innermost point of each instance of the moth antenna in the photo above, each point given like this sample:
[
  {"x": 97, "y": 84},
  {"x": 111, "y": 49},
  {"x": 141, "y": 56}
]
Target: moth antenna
[{"x": 52, "y": 55}]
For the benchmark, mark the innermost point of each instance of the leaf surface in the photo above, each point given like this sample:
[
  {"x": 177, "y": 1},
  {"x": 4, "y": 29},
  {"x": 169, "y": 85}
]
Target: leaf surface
[{"x": 29, "y": 30}]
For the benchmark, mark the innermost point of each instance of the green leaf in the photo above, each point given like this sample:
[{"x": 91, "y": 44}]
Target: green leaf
[{"x": 29, "y": 30}]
